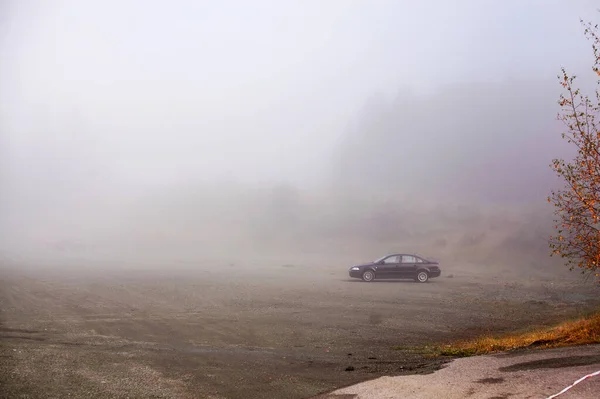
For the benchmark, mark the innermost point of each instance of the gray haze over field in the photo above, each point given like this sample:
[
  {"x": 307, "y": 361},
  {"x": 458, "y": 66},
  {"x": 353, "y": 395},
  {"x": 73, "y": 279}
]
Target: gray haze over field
[{"x": 286, "y": 129}]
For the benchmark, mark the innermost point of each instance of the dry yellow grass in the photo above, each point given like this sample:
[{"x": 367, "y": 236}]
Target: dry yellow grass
[{"x": 578, "y": 332}]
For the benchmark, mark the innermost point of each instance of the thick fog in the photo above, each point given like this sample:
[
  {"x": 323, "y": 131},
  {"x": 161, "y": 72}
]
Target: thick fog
[{"x": 289, "y": 131}]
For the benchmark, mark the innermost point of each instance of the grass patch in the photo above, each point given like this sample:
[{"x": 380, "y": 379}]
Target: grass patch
[{"x": 582, "y": 331}]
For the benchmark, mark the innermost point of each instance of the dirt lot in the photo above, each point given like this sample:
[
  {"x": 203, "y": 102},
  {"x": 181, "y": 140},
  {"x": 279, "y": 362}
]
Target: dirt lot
[{"x": 228, "y": 331}]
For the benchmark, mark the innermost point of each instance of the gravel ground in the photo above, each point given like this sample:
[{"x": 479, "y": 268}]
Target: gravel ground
[{"x": 235, "y": 331}]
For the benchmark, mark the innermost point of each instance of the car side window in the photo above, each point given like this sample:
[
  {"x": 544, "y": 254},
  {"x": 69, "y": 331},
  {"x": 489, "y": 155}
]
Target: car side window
[
  {"x": 391, "y": 259},
  {"x": 408, "y": 259},
  {"x": 419, "y": 260}
]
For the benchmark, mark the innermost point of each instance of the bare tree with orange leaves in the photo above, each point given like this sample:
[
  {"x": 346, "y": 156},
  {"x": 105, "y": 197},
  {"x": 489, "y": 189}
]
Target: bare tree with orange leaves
[{"x": 577, "y": 239}]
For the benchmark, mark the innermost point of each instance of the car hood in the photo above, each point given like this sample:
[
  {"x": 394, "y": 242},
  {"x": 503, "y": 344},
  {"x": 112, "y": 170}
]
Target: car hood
[{"x": 364, "y": 264}]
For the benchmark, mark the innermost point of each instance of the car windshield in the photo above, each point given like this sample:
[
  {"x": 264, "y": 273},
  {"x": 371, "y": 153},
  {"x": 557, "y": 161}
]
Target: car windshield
[{"x": 380, "y": 259}]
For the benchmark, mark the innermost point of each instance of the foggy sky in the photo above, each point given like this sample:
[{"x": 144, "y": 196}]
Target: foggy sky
[
  {"x": 150, "y": 92},
  {"x": 127, "y": 126}
]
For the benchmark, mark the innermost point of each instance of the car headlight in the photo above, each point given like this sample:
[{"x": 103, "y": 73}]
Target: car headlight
[{"x": 355, "y": 268}]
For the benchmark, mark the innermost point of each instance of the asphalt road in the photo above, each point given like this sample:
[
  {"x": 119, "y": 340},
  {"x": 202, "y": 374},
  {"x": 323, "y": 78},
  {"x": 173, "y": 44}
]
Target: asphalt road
[{"x": 532, "y": 374}]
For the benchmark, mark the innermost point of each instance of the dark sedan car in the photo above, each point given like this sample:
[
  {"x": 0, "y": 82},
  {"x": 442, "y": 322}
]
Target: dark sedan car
[{"x": 397, "y": 266}]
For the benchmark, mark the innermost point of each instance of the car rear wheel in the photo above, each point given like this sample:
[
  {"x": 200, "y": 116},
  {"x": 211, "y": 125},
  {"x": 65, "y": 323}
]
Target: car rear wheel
[
  {"x": 422, "y": 276},
  {"x": 368, "y": 276}
]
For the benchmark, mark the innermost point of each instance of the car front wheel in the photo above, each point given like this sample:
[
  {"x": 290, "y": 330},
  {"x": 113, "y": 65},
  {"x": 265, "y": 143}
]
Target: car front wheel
[
  {"x": 422, "y": 277},
  {"x": 368, "y": 276}
]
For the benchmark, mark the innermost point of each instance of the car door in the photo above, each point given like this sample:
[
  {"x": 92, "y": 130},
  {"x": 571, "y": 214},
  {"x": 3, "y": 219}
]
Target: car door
[
  {"x": 408, "y": 266},
  {"x": 388, "y": 268}
]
